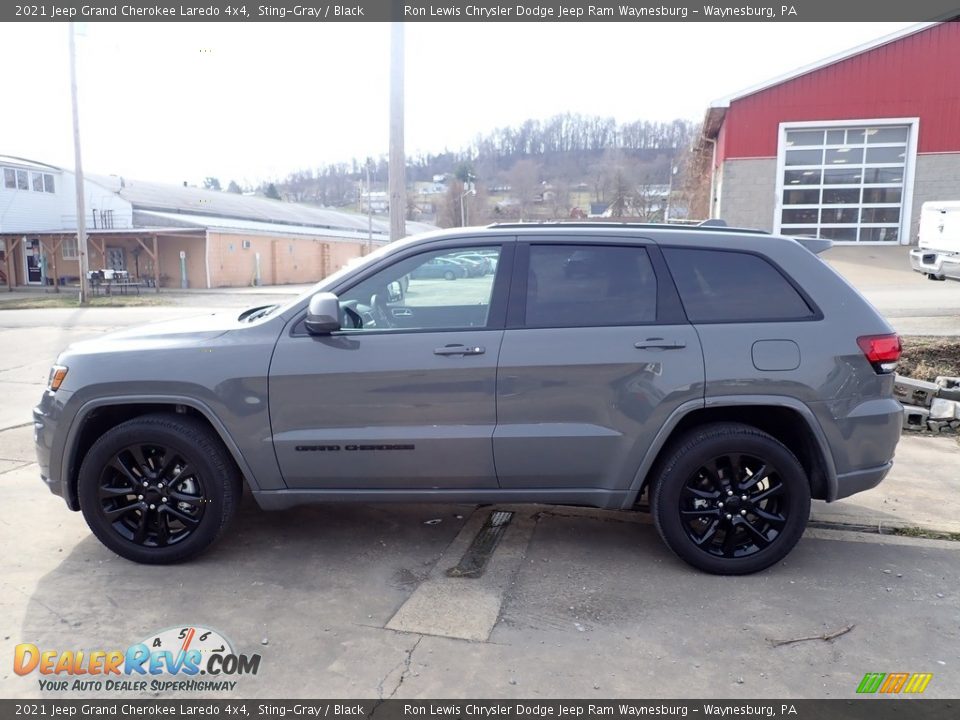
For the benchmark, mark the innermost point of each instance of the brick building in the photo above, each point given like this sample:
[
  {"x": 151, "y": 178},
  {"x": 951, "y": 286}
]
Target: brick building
[
  {"x": 169, "y": 235},
  {"x": 848, "y": 148}
]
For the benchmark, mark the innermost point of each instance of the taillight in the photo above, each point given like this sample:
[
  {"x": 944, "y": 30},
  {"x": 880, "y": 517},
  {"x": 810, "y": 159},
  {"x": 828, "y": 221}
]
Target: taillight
[{"x": 882, "y": 351}]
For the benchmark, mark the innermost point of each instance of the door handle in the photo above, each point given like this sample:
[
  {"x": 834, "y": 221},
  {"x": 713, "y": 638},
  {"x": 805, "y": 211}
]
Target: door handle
[
  {"x": 401, "y": 312},
  {"x": 459, "y": 350},
  {"x": 659, "y": 344}
]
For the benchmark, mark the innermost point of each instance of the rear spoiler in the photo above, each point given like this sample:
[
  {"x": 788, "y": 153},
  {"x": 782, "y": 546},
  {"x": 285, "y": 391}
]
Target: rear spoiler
[{"x": 815, "y": 245}]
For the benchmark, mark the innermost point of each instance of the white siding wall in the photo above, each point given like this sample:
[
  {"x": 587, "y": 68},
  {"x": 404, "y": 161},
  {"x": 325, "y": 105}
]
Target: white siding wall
[{"x": 29, "y": 211}]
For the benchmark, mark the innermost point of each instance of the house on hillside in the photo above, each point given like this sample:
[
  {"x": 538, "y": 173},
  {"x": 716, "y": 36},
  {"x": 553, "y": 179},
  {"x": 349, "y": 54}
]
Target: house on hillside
[
  {"x": 848, "y": 148},
  {"x": 169, "y": 235}
]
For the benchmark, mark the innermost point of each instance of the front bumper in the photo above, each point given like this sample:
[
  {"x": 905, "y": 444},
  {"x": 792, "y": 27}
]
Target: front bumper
[
  {"x": 45, "y": 420},
  {"x": 935, "y": 263}
]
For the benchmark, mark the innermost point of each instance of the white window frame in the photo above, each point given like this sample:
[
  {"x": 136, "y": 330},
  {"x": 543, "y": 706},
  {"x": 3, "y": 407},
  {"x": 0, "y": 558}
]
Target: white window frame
[
  {"x": 909, "y": 167},
  {"x": 32, "y": 177},
  {"x": 75, "y": 246}
]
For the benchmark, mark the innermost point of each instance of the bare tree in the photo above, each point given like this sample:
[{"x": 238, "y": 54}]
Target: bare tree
[{"x": 524, "y": 178}]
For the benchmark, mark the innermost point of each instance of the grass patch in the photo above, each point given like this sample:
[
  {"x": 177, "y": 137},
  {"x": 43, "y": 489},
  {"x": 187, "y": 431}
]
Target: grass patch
[
  {"x": 69, "y": 300},
  {"x": 926, "y": 357},
  {"x": 917, "y": 532}
]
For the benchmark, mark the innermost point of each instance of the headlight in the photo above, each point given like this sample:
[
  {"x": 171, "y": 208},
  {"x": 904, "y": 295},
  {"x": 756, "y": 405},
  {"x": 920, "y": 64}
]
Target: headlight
[{"x": 58, "y": 374}]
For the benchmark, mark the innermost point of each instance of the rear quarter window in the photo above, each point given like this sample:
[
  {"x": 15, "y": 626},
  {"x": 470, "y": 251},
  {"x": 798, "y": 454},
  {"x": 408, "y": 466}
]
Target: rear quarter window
[{"x": 730, "y": 286}]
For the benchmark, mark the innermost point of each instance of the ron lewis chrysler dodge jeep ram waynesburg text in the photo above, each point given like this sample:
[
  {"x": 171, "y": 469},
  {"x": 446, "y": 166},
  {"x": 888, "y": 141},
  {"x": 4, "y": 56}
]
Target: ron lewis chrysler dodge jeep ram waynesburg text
[{"x": 731, "y": 375}]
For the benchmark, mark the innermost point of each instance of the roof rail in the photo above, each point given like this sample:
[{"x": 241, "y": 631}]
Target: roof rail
[{"x": 712, "y": 224}]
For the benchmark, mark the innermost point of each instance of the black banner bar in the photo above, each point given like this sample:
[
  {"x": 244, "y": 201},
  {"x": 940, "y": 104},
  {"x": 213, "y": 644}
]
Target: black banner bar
[
  {"x": 482, "y": 11},
  {"x": 898, "y": 708}
]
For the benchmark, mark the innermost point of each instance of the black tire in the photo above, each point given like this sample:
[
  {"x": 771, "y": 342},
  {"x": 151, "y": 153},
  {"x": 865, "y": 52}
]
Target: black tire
[
  {"x": 448, "y": 275},
  {"x": 158, "y": 489},
  {"x": 698, "y": 500}
]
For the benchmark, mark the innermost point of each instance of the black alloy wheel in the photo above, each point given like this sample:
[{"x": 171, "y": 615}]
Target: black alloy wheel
[
  {"x": 730, "y": 499},
  {"x": 158, "y": 488},
  {"x": 151, "y": 495},
  {"x": 734, "y": 505}
]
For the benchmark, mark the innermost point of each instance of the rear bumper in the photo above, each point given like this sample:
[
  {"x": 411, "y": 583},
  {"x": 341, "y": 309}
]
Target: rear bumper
[
  {"x": 853, "y": 482},
  {"x": 862, "y": 438},
  {"x": 936, "y": 263}
]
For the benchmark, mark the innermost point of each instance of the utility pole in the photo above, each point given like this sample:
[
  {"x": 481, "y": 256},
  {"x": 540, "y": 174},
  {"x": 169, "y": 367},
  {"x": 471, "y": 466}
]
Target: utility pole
[
  {"x": 463, "y": 206},
  {"x": 78, "y": 172},
  {"x": 369, "y": 211},
  {"x": 397, "y": 180}
]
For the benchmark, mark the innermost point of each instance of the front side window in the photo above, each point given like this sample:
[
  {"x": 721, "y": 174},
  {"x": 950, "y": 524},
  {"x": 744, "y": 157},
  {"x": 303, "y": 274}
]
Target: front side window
[
  {"x": 440, "y": 290},
  {"x": 728, "y": 286},
  {"x": 590, "y": 286}
]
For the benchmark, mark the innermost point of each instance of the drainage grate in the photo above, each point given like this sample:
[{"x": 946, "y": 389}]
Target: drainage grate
[{"x": 475, "y": 559}]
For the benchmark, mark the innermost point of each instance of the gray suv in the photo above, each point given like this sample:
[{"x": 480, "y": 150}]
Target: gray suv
[{"x": 728, "y": 375}]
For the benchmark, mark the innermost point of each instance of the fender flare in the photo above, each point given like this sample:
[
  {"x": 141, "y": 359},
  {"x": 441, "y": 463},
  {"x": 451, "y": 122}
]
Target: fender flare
[
  {"x": 721, "y": 401},
  {"x": 68, "y": 471}
]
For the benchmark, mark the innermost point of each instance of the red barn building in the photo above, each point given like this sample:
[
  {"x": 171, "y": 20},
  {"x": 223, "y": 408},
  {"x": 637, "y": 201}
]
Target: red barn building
[{"x": 848, "y": 148}]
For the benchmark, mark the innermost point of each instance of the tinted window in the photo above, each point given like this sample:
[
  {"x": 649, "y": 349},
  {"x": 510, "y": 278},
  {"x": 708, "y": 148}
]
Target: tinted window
[
  {"x": 590, "y": 285},
  {"x": 718, "y": 286}
]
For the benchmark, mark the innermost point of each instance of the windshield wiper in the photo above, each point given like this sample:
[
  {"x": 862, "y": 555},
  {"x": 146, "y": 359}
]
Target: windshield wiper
[{"x": 257, "y": 312}]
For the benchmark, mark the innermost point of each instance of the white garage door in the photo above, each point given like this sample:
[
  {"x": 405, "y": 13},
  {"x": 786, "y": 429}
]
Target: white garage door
[{"x": 843, "y": 183}]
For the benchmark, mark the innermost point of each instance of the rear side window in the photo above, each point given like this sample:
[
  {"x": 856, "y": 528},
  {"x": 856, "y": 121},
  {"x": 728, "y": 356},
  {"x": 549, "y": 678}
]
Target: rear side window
[
  {"x": 724, "y": 286},
  {"x": 590, "y": 286}
]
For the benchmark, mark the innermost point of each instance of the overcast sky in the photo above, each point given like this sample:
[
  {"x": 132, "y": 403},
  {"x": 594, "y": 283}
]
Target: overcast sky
[{"x": 250, "y": 102}]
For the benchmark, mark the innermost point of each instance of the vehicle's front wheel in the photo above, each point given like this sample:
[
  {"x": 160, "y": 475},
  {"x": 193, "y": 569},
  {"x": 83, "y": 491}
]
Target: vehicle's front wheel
[
  {"x": 448, "y": 275},
  {"x": 730, "y": 499},
  {"x": 158, "y": 489}
]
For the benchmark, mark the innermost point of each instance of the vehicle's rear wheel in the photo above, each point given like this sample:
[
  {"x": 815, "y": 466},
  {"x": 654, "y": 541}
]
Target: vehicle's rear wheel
[
  {"x": 159, "y": 488},
  {"x": 730, "y": 499},
  {"x": 448, "y": 275}
]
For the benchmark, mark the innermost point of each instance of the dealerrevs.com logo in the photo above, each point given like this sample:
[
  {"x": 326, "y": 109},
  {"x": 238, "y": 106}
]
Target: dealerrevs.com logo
[{"x": 183, "y": 659}]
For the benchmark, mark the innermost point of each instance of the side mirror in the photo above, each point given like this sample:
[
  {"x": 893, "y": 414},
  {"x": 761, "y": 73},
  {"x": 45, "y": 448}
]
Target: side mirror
[{"x": 323, "y": 315}]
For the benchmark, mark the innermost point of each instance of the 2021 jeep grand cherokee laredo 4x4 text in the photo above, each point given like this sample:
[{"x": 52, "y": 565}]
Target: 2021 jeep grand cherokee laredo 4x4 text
[{"x": 732, "y": 374}]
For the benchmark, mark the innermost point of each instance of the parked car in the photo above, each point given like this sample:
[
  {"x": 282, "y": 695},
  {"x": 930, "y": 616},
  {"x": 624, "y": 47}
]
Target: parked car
[
  {"x": 727, "y": 375},
  {"x": 937, "y": 254},
  {"x": 485, "y": 263},
  {"x": 474, "y": 267},
  {"x": 445, "y": 268}
]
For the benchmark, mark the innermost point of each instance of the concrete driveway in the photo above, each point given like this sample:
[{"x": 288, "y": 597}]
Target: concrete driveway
[
  {"x": 913, "y": 304},
  {"x": 355, "y": 602}
]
